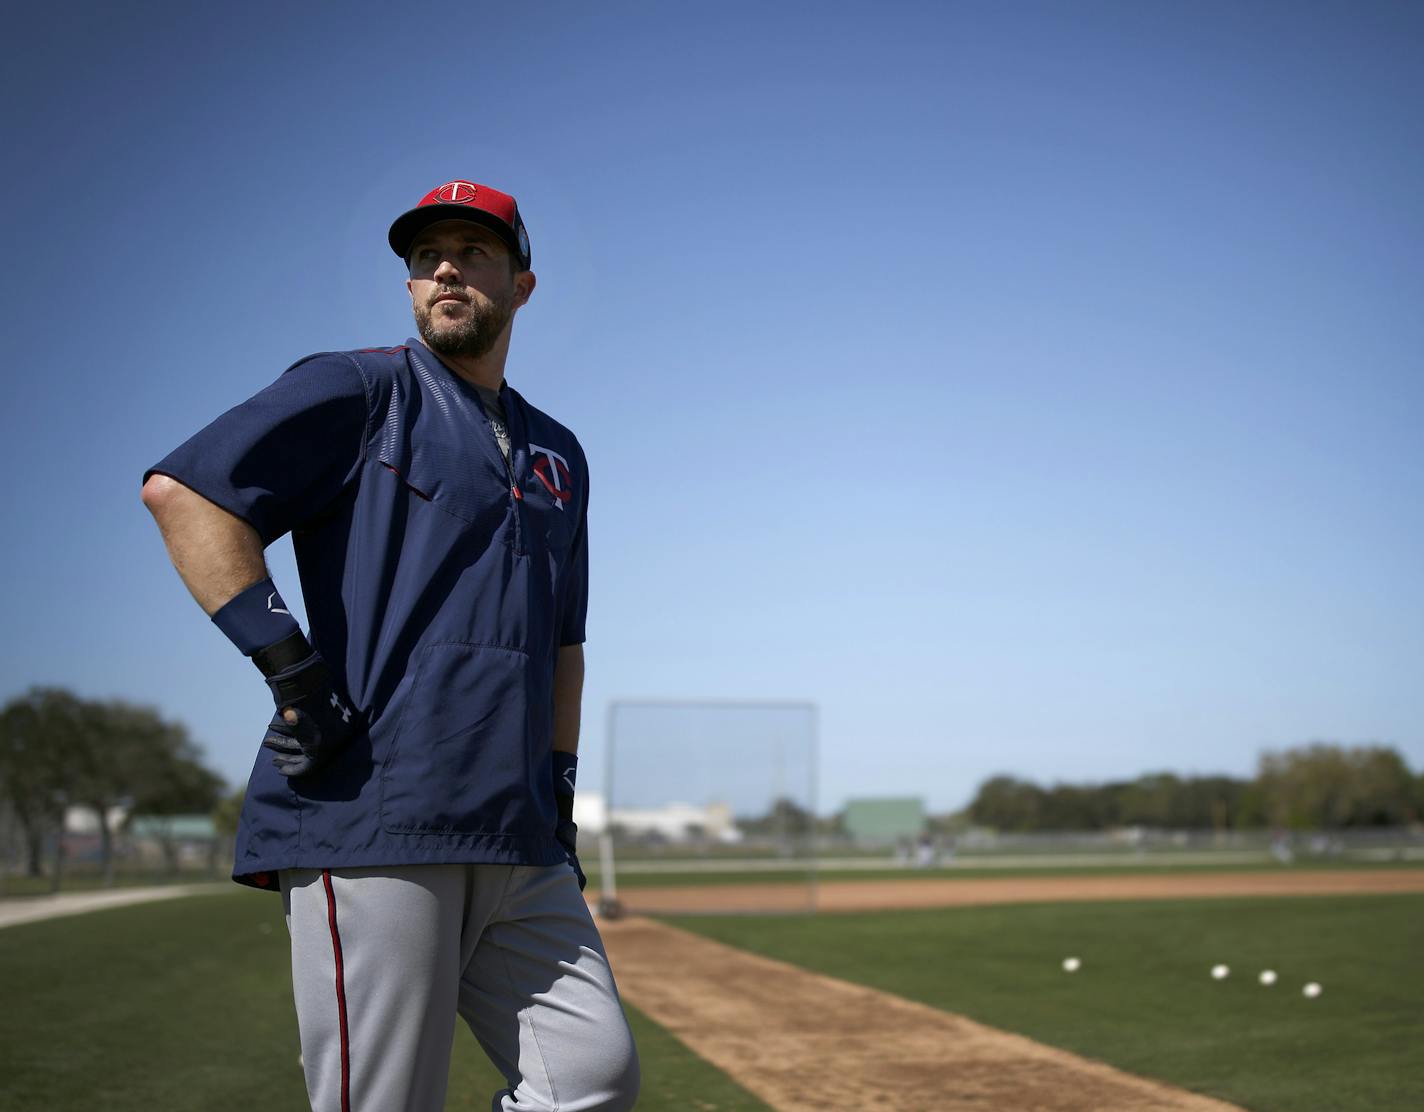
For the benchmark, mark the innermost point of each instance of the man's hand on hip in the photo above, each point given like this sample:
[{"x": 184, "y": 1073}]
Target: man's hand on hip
[
  {"x": 567, "y": 834},
  {"x": 565, "y": 772},
  {"x": 314, "y": 722}
]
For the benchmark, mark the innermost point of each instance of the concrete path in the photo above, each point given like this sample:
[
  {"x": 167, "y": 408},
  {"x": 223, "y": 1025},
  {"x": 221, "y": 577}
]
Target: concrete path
[{"x": 31, "y": 909}]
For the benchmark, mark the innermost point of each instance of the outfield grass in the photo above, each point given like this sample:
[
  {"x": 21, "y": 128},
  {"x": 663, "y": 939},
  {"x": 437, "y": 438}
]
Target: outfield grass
[
  {"x": 1144, "y": 1000},
  {"x": 187, "y": 1004}
]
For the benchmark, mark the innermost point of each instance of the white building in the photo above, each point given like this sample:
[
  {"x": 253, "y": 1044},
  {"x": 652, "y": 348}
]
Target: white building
[{"x": 679, "y": 822}]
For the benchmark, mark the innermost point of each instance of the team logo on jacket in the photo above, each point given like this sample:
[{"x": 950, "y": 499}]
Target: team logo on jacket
[{"x": 553, "y": 471}]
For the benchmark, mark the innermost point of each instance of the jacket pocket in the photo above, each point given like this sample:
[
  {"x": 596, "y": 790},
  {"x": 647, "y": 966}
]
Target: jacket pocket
[
  {"x": 459, "y": 761},
  {"x": 460, "y": 487}
]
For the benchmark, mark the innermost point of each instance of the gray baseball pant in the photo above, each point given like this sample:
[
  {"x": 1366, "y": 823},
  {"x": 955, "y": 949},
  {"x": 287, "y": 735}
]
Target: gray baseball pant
[{"x": 384, "y": 958}]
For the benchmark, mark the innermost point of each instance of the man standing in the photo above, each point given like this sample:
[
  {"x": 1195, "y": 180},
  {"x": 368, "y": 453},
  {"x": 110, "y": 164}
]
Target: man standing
[{"x": 413, "y": 798}]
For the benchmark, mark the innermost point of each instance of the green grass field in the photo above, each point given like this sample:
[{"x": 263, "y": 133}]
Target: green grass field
[
  {"x": 1144, "y": 1000},
  {"x": 187, "y": 1005}
]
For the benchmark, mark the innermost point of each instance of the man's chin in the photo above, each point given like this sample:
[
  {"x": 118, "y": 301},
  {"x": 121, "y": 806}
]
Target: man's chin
[
  {"x": 447, "y": 341},
  {"x": 455, "y": 342}
]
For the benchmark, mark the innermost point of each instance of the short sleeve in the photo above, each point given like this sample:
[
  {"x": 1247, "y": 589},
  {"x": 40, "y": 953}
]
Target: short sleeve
[
  {"x": 283, "y": 455},
  {"x": 573, "y": 612}
]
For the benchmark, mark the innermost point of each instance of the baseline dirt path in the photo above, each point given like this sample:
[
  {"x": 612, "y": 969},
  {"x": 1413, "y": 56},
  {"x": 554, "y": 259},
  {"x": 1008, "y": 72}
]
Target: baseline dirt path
[
  {"x": 804, "y": 1041},
  {"x": 868, "y": 895},
  {"x": 33, "y": 909}
]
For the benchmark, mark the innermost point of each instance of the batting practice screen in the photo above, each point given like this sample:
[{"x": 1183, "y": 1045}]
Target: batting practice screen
[{"x": 710, "y": 807}]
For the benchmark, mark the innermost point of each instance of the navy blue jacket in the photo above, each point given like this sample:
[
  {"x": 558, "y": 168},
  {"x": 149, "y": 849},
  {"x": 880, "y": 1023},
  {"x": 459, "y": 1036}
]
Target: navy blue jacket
[{"x": 440, "y": 583}]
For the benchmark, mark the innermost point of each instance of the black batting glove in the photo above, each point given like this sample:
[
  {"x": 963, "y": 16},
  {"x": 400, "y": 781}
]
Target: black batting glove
[
  {"x": 567, "y": 833},
  {"x": 322, "y": 721},
  {"x": 565, "y": 770}
]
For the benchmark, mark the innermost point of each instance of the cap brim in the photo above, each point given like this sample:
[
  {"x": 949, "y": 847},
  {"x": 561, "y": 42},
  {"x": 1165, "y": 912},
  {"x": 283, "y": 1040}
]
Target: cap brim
[{"x": 410, "y": 224}]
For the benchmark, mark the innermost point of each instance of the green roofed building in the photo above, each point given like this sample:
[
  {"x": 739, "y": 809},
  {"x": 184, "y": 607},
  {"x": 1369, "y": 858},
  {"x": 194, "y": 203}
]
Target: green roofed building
[
  {"x": 176, "y": 841},
  {"x": 882, "y": 821},
  {"x": 181, "y": 828}
]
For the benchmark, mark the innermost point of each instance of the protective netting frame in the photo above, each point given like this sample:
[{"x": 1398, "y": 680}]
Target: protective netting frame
[{"x": 781, "y": 737}]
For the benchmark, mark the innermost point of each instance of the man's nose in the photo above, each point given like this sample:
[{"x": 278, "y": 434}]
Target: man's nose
[{"x": 447, "y": 272}]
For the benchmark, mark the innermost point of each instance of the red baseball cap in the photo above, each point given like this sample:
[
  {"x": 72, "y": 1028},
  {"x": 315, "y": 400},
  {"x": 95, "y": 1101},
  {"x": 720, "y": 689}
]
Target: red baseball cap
[{"x": 464, "y": 200}]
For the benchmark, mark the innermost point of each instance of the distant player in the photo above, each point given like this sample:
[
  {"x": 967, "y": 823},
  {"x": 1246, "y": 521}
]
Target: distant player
[{"x": 414, "y": 799}]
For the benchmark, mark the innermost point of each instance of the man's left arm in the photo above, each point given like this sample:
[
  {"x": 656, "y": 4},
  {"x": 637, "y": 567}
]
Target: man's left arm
[
  {"x": 568, "y": 697},
  {"x": 568, "y": 702},
  {"x": 568, "y": 675}
]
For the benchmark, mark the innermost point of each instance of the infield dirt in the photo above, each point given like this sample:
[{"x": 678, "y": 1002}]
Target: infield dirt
[
  {"x": 878, "y": 895},
  {"x": 803, "y": 1041}
]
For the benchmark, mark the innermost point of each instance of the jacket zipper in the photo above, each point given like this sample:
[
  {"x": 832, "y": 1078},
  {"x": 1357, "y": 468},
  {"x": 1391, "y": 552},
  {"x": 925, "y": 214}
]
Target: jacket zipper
[
  {"x": 515, "y": 493},
  {"x": 509, "y": 471}
]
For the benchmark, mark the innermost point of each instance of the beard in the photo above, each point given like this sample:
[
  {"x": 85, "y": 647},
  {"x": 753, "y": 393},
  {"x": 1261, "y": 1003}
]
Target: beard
[{"x": 474, "y": 336}]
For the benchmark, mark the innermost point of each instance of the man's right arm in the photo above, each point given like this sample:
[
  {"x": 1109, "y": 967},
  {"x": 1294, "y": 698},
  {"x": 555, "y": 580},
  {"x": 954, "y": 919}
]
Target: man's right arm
[
  {"x": 261, "y": 469},
  {"x": 216, "y": 553},
  {"x": 219, "y": 557}
]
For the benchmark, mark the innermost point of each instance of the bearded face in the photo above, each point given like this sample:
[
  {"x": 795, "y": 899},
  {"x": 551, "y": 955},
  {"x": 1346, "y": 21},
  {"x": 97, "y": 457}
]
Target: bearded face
[{"x": 460, "y": 321}]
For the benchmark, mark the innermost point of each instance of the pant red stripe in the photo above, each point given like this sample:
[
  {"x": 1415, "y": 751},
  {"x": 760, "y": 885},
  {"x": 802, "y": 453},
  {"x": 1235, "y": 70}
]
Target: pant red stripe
[{"x": 340, "y": 992}]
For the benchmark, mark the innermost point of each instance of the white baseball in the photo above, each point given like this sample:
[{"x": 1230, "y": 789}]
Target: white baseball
[
  {"x": 1071, "y": 965},
  {"x": 1220, "y": 972},
  {"x": 1311, "y": 990},
  {"x": 1268, "y": 976}
]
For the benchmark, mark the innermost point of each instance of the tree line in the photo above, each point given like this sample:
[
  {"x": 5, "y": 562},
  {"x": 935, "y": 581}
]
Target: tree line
[
  {"x": 58, "y": 751},
  {"x": 1320, "y": 786}
]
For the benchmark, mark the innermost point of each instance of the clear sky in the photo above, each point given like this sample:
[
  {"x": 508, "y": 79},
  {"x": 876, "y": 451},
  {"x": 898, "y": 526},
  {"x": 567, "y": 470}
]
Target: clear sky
[{"x": 1035, "y": 387}]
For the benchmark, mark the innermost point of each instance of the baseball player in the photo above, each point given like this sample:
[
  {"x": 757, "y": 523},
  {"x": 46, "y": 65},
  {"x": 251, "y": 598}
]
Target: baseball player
[{"x": 413, "y": 797}]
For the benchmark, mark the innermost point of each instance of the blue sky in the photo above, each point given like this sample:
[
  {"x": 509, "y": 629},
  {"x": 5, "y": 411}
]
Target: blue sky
[{"x": 1035, "y": 387}]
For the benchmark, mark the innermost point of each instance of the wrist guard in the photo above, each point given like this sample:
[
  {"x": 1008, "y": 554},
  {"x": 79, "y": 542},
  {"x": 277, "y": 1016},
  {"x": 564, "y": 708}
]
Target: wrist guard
[{"x": 255, "y": 617}]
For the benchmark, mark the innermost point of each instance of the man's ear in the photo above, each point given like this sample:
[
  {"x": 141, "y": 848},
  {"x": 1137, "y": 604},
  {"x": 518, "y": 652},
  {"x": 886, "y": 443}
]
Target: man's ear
[
  {"x": 524, "y": 283},
  {"x": 410, "y": 289}
]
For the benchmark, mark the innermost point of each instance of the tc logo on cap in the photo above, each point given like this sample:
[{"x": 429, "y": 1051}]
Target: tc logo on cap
[
  {"x": 482, "y": 204},
  {"x": 456, "y": 192}
]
